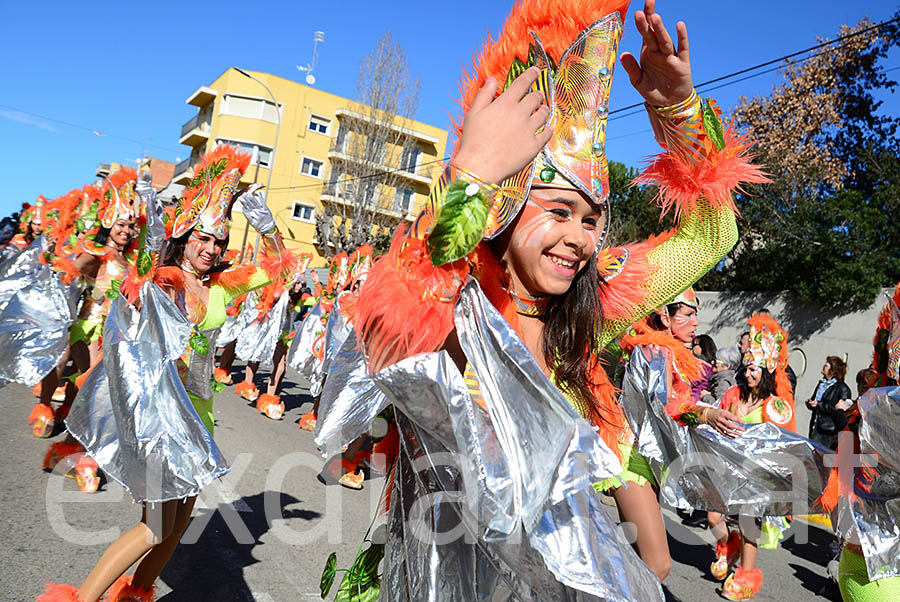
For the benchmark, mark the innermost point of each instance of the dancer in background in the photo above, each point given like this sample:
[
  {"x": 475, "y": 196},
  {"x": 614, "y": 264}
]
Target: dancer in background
[{"x": 193, "y": 291}]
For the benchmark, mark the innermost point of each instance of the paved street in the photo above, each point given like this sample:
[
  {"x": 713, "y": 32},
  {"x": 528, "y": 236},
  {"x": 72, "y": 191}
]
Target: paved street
[{"x": 263, "y": 532}]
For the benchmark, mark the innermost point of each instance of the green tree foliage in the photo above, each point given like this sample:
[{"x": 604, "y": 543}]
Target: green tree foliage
[{"x": 828, "y": 226}]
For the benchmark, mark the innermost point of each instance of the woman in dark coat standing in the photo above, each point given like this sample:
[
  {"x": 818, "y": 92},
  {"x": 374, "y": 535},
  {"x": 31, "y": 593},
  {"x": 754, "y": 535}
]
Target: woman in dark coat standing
[{"x": 827, "y": 419}]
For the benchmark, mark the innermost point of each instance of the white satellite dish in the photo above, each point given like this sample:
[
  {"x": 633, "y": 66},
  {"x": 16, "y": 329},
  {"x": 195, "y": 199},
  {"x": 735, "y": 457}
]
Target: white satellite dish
[{"x": 310, "y": 79}]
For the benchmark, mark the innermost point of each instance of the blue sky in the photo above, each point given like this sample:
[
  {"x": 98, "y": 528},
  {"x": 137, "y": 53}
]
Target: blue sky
[{"x": 125, "y": 69}]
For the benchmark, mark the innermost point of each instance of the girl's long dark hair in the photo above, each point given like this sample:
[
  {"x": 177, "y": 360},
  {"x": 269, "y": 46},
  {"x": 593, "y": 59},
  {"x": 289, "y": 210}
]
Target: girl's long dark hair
[
  {"x": 707, "y": 347},
  {"x": 572, "y": 326},
  {"x": 766, "y": 386},
  {"x": 102, "y": 236}
]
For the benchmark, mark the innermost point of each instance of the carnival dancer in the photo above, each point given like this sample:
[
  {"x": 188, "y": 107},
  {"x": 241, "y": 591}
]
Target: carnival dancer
[
  {"x": 265, "y": 339},
  {"x": 308, "y": 354},
  {"x": 101, "y": 261},
  {"x": 167, "y": 454},
  {"x": 345, "y": 469},
  {"x": 669, "y": 331},
  {"x": 764, "y": 396},
  {"x": 526, "y": 214}
]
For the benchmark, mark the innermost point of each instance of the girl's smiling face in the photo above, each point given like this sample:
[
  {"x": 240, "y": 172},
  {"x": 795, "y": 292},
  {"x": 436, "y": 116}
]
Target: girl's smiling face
[
  {"x": 551, "y": 240},
  {"x": 203, "y": 250}
]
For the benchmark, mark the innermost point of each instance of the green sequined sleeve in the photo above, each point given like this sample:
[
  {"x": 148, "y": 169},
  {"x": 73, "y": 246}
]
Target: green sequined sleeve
[
  {"x": 257, "y": 280},
  {"x": 702, "y": 239}
]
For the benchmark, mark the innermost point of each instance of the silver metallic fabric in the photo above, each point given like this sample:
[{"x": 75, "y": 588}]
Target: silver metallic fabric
[
  {"x": 350, "y": 400},
  {"x": 18, "y": 270},
  {"x": 133, "y": 414},
  {"x": 300, "y": 354},
  {"x": 257, "y": 341},
  {"x": 336, "y": 332},
  {"x": 492, "y": 498},
  {"x": 234, "y": 325},
  {"x": 34, "y": 327},
  {"x": 871, "y": 515},
  {"x": 768, "y": 471}
]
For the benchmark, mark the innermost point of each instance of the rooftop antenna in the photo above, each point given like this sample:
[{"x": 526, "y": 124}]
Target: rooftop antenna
[{"x": 319, "y": 36}]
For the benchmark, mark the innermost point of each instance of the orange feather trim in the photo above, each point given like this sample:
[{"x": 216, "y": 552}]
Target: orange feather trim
[
  {"x": 59, "y": 450},
  {"x": 235, "y": 307},
  {"x": 606, "y": 413},
  {"x": 123, "y": 589},
  {"x": 57, "y": 592},
  {"x": 687, "y": 365},
  {"x": 715, "y": 177},
  {"x": 630, "y": 287},
  {"x": 404, "y": 283},
  {"x": 267, "y": 296},
  {"x": 234, "y": 279},
  {"x": 170, "y": 276},
  {"x": 67, "y": 270},
  {"x": 279, "y": 266},
  {"x": 556, "y": 22}
]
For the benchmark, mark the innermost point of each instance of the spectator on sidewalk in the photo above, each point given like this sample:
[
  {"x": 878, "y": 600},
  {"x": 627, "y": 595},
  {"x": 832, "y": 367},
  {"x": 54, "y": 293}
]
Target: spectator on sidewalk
[
  {"x": 728, "y": 360},
  {"x": 827, "y": 419},
  {"x": 704, "y": 349}
]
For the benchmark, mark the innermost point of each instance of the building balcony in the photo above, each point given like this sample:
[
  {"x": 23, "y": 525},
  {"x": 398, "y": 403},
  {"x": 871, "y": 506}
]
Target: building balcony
[
  {"x": 195, "y": 132},
  {"x": 202, "y": 96},
  {"x": 328, "y": 196},
  {"x": 355, "y": 115},
  {"x": 182, "y": 173},
  {"x": 412, "y": 176}
]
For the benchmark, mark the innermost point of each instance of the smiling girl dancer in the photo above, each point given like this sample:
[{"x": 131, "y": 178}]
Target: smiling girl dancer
[{"x": 524, "y": 209}]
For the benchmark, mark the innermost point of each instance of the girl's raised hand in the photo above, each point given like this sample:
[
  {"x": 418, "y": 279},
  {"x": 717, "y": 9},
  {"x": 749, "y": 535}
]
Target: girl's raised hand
[
  {"x": 663, "y": 76},
  {"x": 500, "y": 136}
]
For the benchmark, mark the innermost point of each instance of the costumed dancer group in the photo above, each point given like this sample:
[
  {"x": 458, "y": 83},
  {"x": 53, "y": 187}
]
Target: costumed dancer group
[{"x": 501, "y": 364}]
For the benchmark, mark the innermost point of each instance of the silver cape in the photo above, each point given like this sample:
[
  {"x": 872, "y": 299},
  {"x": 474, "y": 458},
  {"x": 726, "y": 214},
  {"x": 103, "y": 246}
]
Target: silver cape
[
  {"x": 34, "y": 327},
  {"x": 257, "y": 341},
  {"x": 18, "y": 270},
  {"x": 234, "y": 325},
  {"x": 133, "y": 414},
  {"x": 492, "y": 500},
  {"x": 300, "y": 354},
  {"x": 767, "y": 471},
  {"x": 871, "y": 515}
]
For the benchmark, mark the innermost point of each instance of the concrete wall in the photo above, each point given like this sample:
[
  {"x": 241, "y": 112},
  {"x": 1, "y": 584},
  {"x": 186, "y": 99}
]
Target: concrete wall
[{"x": 814, "y": 334}]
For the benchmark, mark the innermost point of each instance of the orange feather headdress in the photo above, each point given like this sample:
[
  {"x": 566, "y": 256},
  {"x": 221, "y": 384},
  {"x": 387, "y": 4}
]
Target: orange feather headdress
[
  {"x": 575, "y": 45},
  {"x": 206, "y": 204},
  {"x": 119, "y": 197},
  {"x": 769, "y": 350}
]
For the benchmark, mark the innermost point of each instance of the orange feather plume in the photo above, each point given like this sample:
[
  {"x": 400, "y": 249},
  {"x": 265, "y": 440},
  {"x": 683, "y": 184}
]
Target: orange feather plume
[
  {"x": 235, "y": 159},
  {"x": 556, "y": 22}
]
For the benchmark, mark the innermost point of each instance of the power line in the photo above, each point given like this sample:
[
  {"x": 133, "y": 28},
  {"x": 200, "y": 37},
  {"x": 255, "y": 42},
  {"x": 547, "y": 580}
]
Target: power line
[
  {"x": 767, "y": 63},
  {"x": 88, "y": 129}
]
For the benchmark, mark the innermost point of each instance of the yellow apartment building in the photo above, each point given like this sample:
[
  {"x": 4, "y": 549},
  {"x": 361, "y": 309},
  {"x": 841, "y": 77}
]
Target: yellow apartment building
[{"x": 310, "y": 162}]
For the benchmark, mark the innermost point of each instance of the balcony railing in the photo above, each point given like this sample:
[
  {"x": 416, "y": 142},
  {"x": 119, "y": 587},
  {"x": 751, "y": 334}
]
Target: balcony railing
[
  {"x": 195, "y": 123},
  {"x": 182, "y": 167}
]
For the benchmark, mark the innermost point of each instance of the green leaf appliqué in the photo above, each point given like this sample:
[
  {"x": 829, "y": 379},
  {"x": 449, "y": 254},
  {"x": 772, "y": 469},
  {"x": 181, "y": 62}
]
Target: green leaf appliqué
[
  {"x": 713, "y": 125},
  {"x": 459, "y": 225}
]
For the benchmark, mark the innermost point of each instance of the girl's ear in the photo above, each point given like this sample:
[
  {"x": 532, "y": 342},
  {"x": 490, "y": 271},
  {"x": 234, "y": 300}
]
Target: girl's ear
[{"x": 665, "y": 318}]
